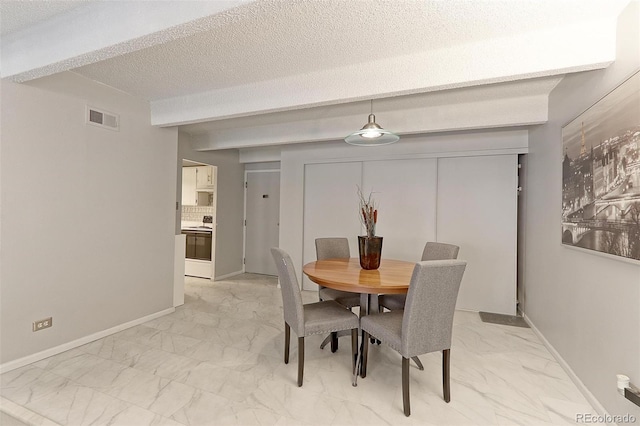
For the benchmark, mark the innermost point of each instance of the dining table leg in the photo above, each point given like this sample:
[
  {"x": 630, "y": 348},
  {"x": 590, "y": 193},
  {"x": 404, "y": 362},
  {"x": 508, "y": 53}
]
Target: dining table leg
[{"x": 364, "y": 310}]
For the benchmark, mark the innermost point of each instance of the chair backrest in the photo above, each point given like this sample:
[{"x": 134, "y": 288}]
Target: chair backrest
[
  {"x": 427, "y": 321},
  {"x": 439, "y": 251},
  {"x": 332, "y": 248},
  {"x": 291, "y": 297}
]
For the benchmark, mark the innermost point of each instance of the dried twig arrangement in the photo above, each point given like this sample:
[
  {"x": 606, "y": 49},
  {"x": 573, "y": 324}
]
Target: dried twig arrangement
[{"x": 368, "y": 213}]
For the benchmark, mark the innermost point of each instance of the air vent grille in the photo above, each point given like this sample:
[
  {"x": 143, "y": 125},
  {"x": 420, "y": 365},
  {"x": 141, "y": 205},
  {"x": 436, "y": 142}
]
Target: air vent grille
[{"x": 101, "y": 118}]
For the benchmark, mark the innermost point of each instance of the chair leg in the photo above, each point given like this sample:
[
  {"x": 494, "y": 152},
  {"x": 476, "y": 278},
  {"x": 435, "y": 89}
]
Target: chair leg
[
  {"x": 287, "y": 339},
  {"x": 334, "y": 342},
  {"x": 418, "y": 363},
  {"x": 405, "y": 386},
  {"x": 354, "y": 346},
  {"x": 446, "y": 379},
  {"x": 365, "y": 353},
  {"x": 300, "y": 360}
]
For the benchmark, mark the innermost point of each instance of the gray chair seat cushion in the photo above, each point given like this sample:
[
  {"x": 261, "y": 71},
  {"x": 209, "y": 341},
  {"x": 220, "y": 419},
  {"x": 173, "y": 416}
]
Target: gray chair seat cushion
[
  {"x": 328, "y": 316},
  {"x": 345, "y": 298},
  {"x": 393, "y": 302},
  {"x": 386, "y": 327}
]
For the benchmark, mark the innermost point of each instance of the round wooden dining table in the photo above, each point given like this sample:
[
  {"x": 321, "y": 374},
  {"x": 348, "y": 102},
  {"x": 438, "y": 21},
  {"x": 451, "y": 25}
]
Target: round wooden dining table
[{"x": 392, "y": 277}]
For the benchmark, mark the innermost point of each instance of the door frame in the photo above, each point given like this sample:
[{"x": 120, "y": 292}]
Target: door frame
[
  {"x": 244, "y": 213},
  {"x": 214, "y": 233}
]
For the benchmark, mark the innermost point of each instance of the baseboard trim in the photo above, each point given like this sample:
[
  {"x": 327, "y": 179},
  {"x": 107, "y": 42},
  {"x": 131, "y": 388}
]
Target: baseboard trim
[
  {"x": 29, "y": 359},
  {"x": 233, "y": 274},
  {"x": 565, "y": 366}
]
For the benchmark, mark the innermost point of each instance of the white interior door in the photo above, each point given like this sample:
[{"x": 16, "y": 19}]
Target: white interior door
[
  {"x": 477, "y": 211},
  {"x": 262, "y": 215},
  {"x": 330, "y": 207}
]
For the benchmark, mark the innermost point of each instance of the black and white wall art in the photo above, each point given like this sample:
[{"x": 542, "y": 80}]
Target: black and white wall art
[{"x": 601, "y": 174}]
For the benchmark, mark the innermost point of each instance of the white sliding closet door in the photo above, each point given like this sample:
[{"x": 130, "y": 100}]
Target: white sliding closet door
[
  {"x": 330, "y": 207},
  {"x": 477, "y": 210},
  {"x": 406, "y": 193}
]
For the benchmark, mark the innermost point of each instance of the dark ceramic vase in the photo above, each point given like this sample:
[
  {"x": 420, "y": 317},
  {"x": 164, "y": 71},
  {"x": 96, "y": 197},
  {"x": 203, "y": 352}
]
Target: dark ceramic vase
[{"x": 370, "y": 251}]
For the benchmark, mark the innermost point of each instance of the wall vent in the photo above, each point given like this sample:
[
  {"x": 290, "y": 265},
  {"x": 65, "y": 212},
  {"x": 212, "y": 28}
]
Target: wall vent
[{"x": 102, "y": 118}]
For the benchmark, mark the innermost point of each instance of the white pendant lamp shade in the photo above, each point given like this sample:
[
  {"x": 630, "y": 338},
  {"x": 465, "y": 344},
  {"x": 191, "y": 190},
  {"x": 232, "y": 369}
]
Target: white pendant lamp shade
[{"x": 371, "y": 134}]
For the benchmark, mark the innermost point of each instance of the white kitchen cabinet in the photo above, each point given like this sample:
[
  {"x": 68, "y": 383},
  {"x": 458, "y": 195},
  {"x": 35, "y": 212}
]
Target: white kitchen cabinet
[
  {"x": 205, "y": 178},
  {"x": 189, "y": 194}
]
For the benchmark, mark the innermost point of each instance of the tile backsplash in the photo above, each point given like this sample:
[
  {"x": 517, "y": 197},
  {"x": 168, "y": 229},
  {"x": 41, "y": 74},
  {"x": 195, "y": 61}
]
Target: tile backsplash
[{"x": 195, "y": 213}]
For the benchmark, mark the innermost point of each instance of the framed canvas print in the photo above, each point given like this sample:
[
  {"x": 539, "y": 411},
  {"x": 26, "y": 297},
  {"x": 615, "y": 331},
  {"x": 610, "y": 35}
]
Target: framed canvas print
[{"x": 601, "y": 174}]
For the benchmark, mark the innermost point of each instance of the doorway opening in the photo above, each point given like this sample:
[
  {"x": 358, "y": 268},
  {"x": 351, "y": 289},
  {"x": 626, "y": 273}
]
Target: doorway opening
[{"x": 198, "y": 217}]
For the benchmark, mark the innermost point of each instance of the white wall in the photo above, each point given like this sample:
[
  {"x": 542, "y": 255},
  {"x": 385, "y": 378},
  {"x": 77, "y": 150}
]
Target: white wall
[
  {"x": 87, "y": 214},
  {"x": 586, "y": 305},
  {"x": 230, "y": 204},
  {"x": 294, "y": 159}
]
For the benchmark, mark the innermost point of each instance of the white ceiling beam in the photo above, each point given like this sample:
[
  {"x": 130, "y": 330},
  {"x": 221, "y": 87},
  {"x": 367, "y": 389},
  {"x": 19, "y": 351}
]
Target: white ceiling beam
[
  {"x": 98, "y": 31},
  {"x": 437, "y": 117},
  {"x": 561, "y": 50}
]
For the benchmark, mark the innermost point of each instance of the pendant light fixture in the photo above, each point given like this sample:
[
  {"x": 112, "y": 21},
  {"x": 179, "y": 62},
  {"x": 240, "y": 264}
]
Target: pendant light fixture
[{"x": 371, "y": 134}]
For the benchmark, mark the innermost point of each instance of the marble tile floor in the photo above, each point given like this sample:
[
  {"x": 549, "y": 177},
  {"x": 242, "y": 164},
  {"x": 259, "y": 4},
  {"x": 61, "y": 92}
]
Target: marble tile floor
[{"x": 217, "y": 360}]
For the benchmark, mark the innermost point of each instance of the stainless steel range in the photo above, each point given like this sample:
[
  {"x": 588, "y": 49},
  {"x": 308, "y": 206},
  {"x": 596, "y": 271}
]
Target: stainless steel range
[{"x": 199, "y": 249}]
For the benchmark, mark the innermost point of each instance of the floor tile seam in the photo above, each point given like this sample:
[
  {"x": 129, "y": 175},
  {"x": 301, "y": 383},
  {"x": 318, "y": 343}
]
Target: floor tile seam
[
  {"x": 8, "y": 409},
  {"x": 171, "y": 334},
  {"x": 290, "y": 415},
  {"x": 248, "y": 321},
  {"x": 131, "y": 404},
  {"x": 169, "y": 381},
  {"x": 132, "y": 339},
  {"x": 198, "y": 392},
  {"x": 588, "y": 408},
  {"x": 564, "y": 377},
  {"x": 262, "y": 408},
  {"x": 495, "y": 401},
  {"x": 512, "y": 356},
  {"x": 26, "y": 368},
  {"x": 79, "y": 386},
  {"x": 457, "y": 348},
  {"x": 198, "y": 360},
  {"x": 150, "y": 347},
  {"x": 372, "y": 405},
  {"x": 125, "y": 362},
  {"x": 225, "y": 369},
  {"x": 235, "y": 348},
  {"x": 254, "y": 320},
  {"x": 505, "y": 411},
  {"x": 471, "y": 420},
  {"x": 155, "y": 413},
  {"x": 67, "y": 381}
]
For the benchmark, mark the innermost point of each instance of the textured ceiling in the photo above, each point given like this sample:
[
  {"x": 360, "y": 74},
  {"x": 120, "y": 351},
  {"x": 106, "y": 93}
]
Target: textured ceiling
[
  {"x": 239, "y": 73},
  {"x": 273, "y": 39}
]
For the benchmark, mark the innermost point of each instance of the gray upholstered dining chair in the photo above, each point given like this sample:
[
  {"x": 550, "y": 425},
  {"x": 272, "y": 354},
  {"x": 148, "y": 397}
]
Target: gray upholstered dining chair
[
  {"x": 426, "y": 323},
  {"x": 335, "y": 248},
  {"x": 432, "y": 251},
  {"x": 314, "y": 318}
]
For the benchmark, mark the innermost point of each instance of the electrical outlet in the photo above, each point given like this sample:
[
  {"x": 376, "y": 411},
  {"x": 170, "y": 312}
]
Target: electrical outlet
[{"x": 42, "y": 324}]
